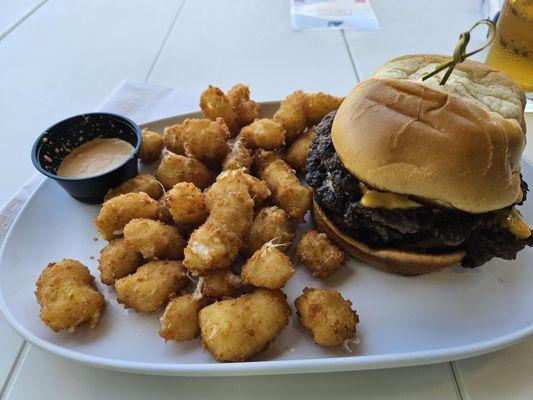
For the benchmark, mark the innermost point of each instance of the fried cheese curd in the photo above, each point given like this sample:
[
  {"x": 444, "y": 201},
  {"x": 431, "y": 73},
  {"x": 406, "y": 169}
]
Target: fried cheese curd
[
  {"x": 215, "y": 104},
  {"x": 318, "y": 105},
  {"x": 328, "y": 317},
  {"x": 296, "y": 154},
  {"x": 67, "y": 296},
  {"x": 220, "y": 283},
  {"x": 229, "y": 180},
  {"x": 239, "y": 98},
  {"x": 211, "y": 246},
  {"x": 271, "y": 224},
  {"x": 206, "y": 140},
  {"x": 118, "y": 211},
  {"x": 172, "y": 138},
  {"x": 319, "y": 254},
  {"x": 180, "y": 319},
  {"x": 239, "y": 156},
  {"x": 216, "y": 243},
  {"x": 150, "y": 288},
  {"x": 153, "y": 239},
  {"x": 176, "y": 168},
  {"x": 287, "y": 191},
  {"x": 235, "y": 210},
  {"x": 292, "y": 115},
  {"x": 141, "y": 183},
  {"x": 151, "y": 147},
  {"x": 268, "y": 267},
  {"x": 236, "y": 329},
  {"x": 264, "y": 134},
  {"x": 117, "y": 260},
  {"x": 186, "y": 204}
]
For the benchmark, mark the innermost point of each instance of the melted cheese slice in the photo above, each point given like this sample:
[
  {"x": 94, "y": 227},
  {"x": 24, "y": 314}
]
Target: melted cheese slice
[
  {"x": 375, "y": 199},
  {"x": 511, "y": 220},
  {"x": 514, "y": 222}
]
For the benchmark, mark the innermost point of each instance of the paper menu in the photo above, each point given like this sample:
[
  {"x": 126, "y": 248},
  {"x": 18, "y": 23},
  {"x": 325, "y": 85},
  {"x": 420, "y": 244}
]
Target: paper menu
[{"x": 333, "y": 14}]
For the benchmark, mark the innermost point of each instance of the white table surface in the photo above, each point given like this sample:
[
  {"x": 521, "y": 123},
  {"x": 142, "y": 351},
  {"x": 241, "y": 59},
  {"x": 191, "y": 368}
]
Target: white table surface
[{"x": 61, "y": 57}]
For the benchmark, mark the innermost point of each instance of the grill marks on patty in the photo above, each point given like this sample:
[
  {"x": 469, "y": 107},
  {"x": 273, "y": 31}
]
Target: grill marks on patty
[{"x": 425, "y": 228}]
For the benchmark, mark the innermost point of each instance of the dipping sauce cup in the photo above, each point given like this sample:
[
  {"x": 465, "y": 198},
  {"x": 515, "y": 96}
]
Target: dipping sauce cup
[{"x": 58, "y": 141}]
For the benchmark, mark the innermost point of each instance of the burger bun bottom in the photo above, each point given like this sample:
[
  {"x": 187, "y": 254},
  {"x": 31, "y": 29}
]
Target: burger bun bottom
[{"x": 402, "y": 262}]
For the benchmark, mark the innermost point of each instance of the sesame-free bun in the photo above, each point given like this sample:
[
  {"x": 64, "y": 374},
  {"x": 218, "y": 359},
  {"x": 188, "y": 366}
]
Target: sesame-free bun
[
  {"x": 458, "y": 145},
  {"x": 396, "y": 261}
]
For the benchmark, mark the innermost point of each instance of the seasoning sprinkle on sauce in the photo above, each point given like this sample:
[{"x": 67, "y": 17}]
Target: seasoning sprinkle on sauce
[{"x": 95, "y": 157}]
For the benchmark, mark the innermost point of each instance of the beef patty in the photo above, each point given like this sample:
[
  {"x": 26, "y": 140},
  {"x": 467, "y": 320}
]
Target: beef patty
[{"x": 427, "y": 228}]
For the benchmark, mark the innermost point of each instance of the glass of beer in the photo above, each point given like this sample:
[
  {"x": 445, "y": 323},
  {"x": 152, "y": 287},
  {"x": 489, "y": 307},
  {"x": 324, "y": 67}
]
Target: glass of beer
[{"x": 512, "y": 49}]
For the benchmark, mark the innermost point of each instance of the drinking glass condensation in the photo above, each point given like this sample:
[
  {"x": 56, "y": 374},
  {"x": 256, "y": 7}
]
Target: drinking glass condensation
[{"x": 512, "y": 49}]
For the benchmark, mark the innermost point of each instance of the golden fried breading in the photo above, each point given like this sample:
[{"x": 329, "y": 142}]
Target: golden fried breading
[
  {"x": 118, "y": 211},
  {"x": 186, "y": 204},
  {"x": 180, "y": 319},
  {"x": 164, "y": 212},
  {"x": 141, "y": 183},
  {"x": 291, "y": 114},
  {"x": 206, "y": 140},
  {"x": 228, "y": 180},
  {"x": 175, "y": 168},
  {"x": 239, "y": 156},
  {"x": 153, "y": 239},
  {"x": 287, "y": 191},
  {"x": 230, "y": 203},
  {"x": 235, "y": 210},
  {"x": 151, "y": 147},
  {"x": 118, "y": 260},
  {"x": 318, "y": 105},
  {"x": 264, "y": 134},
  {"x": 271, "y": 224},
  {"x": 268, "y": 267},
  {"x": 215, "y": 104},
  {"x": 216, "y": 243},
  {"x": 296, "y": 154},
  {"x": 211, "y": 246},
  {"x": 150, "y": 288},
  {"x": 239, "y": 98},
  {"x": 67, "y": 296},
  {"x": 236, "y": 329},
  {"x": 328, "y": 317},
  {"x": 220, "y": 283},
  {"x": 318, "y": 254},
  {"x": 172, "y": 139}
]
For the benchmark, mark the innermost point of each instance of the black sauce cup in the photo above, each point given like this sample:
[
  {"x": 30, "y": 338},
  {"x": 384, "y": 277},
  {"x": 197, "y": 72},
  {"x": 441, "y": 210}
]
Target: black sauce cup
[{"x": 56, "y": 142}]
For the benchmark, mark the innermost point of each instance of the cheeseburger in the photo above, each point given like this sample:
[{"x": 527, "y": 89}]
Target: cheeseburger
[{"x": 412, "y": 176}]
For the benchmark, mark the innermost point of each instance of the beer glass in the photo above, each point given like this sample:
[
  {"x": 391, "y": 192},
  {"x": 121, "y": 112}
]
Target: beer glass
[{"x": 512, "y": 49}]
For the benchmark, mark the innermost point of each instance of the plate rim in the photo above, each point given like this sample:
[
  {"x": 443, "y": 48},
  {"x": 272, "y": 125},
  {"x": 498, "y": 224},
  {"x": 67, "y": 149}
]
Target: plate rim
[{"x": 267, "y": 367}]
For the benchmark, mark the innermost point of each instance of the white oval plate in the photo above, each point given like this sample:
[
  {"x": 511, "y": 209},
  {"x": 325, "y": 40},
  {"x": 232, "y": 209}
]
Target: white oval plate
[{"x": 443, "y": 316}]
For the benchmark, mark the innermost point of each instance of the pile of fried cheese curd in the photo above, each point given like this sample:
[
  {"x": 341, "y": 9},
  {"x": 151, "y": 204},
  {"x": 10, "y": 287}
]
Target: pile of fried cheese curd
[{"x": 206, "y": 239}]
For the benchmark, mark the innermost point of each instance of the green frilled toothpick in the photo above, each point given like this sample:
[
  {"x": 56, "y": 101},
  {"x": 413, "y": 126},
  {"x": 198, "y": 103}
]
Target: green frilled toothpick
[{"x": 460, "y": 54}]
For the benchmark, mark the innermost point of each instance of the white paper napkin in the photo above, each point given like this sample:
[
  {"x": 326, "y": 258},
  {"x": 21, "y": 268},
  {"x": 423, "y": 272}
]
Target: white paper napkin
[
  {"x": 140, "y": 101},
  {"x": 144, "y": 102}
]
